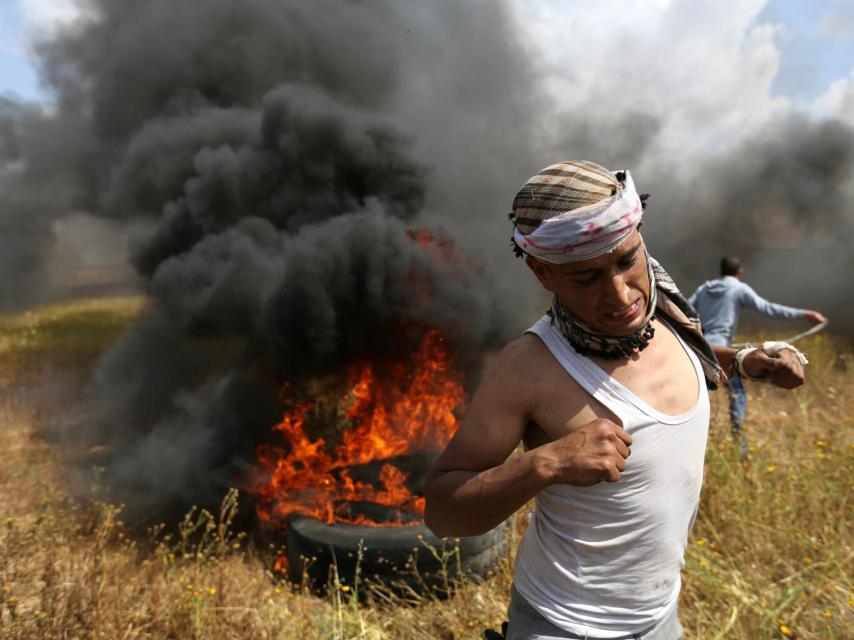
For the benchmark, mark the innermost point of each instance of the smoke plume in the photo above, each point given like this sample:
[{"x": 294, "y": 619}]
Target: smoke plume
[
  {"x": 272, "y": 150},
  {"x": 782, "y": 202}
]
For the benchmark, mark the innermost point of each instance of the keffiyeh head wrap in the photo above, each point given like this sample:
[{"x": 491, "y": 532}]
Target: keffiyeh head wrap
[
  {"x": 575, "y": 210},
  {"x": 578, "y": 210}
]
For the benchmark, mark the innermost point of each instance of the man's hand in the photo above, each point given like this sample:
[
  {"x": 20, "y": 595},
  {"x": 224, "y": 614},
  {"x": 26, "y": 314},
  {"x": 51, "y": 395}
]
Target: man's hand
[
  {"x": 814, "y": 317},
  {"x": 783, "y": 370},
  {"x": 594, "y": 453},
  {"x": 788, "y": 371}
]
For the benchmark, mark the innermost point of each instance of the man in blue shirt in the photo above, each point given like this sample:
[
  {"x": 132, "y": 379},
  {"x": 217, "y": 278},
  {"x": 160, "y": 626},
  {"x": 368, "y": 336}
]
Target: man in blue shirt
[{"x": 719, "y": 303}]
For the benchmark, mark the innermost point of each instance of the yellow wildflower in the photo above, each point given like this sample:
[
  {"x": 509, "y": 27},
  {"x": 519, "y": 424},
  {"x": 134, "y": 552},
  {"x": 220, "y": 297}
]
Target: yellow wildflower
[
  {"x": 771, "y": 468},
  {"x": 786, "y": 631}
]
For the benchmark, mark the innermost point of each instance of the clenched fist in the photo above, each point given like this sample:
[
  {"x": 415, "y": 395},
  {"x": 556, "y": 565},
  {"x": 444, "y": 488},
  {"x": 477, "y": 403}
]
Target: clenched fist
[
  {"x": 782, "y": 370},
  {"x": 594, "y": 453}
]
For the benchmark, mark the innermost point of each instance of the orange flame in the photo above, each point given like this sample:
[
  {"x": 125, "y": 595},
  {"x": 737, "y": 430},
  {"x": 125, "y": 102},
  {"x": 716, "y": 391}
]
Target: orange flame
[
  {"x": 281, "y": 565},
  {"x": 411, "y": 410},
  {"x": 441, "y": 248}
]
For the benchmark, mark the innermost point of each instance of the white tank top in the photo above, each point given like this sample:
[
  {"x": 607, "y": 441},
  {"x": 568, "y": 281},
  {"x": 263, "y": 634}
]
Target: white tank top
[{"x": 604, "y": 561}]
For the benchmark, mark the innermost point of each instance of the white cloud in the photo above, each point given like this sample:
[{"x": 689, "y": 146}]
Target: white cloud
[
  {"x": 43, "y": 17},
  {"x": 705, "y": 70},
  {"x": 838, "y": 100}
]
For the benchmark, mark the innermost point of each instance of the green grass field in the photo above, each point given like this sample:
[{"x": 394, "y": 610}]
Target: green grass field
[{"x": 770, "y": 555}]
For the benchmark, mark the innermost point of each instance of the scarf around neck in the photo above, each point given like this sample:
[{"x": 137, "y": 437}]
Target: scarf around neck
[{"x": 666, "y": 303}]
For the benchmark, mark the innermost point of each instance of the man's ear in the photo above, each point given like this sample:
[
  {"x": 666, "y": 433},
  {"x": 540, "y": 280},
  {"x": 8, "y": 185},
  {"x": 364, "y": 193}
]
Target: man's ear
[{"x": 542, "y": 271}]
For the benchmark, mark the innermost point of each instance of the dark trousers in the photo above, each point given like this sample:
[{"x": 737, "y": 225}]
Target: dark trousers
[{"x": 737, "y": 408}]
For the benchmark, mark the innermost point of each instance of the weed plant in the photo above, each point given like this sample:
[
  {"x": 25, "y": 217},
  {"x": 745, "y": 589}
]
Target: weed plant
[{"x": 770, "y": 555}]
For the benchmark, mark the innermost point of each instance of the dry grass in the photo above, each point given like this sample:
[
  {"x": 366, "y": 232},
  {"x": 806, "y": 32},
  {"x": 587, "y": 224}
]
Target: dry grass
[
  {"x": 770, "y": 553},
  {"x": 772, "y": 547}
]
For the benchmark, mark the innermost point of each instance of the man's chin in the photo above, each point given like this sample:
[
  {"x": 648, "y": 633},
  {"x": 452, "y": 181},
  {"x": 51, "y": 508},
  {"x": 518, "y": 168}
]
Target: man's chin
[{"x": 617, "y": 327}]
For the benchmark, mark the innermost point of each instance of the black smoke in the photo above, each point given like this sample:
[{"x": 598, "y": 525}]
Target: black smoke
[
  {"x": 36, "y": 188},
  {"x": 281, "y": 155},
  {"x": 783, "y": 201}
]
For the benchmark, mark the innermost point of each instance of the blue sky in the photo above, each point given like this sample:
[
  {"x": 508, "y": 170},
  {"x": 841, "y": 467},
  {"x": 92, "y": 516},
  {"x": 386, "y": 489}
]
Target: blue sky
[
  {"x": 815, "y": 41},
  {"x": 17, "y": 74}
]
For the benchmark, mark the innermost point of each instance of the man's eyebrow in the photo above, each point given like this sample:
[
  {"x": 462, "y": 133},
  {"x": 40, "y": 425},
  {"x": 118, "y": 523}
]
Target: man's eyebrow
[
  {"x": 625, "y": 256},
  {"x": 631, "y": 252}
]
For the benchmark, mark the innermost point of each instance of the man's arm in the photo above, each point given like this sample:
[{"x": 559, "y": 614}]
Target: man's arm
[
  {"x": 752, "y": 300},
  {"x": 474, "y": 486},
  {"x": 693, "y": 299}
]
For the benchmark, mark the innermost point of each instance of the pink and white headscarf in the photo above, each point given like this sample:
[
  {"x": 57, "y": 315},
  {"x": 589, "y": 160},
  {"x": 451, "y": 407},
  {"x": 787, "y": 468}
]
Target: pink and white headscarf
[{"x": 575, "y": 210}]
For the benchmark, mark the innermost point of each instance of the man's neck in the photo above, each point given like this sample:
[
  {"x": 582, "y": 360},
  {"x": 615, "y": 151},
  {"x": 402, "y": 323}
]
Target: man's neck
[
  {"x": 588, "y": 342},
  {"x": 662, "y": 375}
]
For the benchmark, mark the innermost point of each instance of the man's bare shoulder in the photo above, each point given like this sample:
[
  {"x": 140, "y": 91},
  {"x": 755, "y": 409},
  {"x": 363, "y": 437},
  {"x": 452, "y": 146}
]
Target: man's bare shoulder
[
  {"x": 526, "y": 352},
  {"x": 527, "y": 365}
]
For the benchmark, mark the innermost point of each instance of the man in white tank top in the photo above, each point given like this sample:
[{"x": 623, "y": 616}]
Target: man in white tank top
[{"x": 607, "y": 392}]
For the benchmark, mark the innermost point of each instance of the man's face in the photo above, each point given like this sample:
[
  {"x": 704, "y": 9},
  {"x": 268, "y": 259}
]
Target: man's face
[{"x": 610, "y": 293}]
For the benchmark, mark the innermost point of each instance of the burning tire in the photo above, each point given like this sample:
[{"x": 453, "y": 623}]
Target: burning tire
[{"x": 396, "y": 556}]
